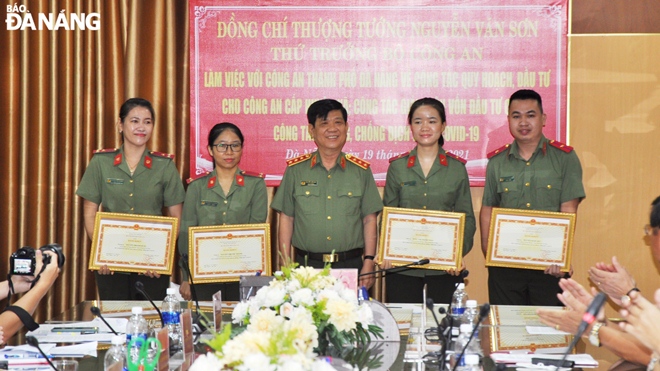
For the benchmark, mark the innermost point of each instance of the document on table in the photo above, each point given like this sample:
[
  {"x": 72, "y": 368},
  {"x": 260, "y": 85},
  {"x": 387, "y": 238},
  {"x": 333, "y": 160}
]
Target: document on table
[{"x": 45, "y": 334}]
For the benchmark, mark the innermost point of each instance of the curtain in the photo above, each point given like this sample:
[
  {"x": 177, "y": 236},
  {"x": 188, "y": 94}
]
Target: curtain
[{"x": 61, "y": 91}]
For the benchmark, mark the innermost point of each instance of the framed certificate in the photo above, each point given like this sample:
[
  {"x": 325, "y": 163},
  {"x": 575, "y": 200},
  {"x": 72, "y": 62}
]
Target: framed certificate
[
  {"x": 530, "y": 239},
  {"x": 224, "y": 253},
  {"x": 408, "y": 235},
  {"x": 133, "y": 243},
  {"x": 508, "y": 331}
]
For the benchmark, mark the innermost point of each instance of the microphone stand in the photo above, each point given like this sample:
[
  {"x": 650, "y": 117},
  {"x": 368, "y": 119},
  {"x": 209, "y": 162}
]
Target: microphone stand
[
  {"x": 97, "y": 312},
  {"x": 396, "y": 269},
  {"x": 140, "y": 287},
  {"x": 482, "y": 314},
  {"x": 35, "y": 343},
  {"x": 198, "y": 317}
]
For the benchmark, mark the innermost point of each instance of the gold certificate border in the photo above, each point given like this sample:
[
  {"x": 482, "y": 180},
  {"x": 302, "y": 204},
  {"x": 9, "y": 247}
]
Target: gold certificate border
[
  {"x": 387, "y": 252},
  {"x": 530, "y": 263},
  {"x": 499, "y": 343},
  {"x": 261, "y": 231},
  {"x": 164, "y": 224}
]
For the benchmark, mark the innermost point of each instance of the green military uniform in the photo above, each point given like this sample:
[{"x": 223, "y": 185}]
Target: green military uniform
[
  {"x": 154, "y": 184},
  {"x": 207, "y": 204},
  {"x": 328, "y": 207},
  {"x": 445, "y": 188},
  {"x": 552, "y": 176}
]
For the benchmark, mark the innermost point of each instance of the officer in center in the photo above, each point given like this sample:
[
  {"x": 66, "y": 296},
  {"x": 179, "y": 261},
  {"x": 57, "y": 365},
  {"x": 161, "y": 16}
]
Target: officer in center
[{"x": 328, "y": 200}]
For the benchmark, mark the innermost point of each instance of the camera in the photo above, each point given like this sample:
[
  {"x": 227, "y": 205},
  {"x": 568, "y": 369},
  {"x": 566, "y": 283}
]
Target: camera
[{"x": 23, "y": 262}]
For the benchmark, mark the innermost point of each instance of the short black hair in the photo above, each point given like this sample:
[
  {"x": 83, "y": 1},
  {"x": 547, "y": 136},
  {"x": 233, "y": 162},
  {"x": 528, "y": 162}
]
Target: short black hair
[
  {"x": 655, "y": 213},
  {"x": 219, "y": 128},
  {"x": 136, "y": 102},
  {"x": 321, "y": 108},
  {"x": 433, "y": 103},
  {"x": 526, "y": 94}
]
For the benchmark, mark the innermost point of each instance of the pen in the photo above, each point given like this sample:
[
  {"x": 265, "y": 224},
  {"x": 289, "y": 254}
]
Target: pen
[{"x": 24, "y": 356}]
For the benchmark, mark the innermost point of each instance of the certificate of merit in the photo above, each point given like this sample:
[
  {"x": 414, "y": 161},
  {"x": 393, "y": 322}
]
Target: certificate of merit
[
  {"x": 224, "y": 253},
  {"x": 133, "y": 243},
  {"x": 530, "y": 239}
]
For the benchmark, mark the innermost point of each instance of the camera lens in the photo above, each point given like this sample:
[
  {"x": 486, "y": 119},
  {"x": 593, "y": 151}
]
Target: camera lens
[{"x": 57, "y": 249}]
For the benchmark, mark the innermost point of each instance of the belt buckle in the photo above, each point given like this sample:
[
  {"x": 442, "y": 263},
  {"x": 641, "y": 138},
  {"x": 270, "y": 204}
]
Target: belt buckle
[{"x": 330, "y": 258}]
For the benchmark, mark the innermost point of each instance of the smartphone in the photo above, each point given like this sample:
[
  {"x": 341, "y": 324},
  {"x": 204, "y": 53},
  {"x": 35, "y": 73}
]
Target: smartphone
[{"x": 81, "y": 330}]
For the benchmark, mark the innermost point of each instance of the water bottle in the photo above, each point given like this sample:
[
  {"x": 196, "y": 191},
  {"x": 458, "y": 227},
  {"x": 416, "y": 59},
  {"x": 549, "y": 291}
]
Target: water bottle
[
  {"x": 471, "y": 315},
  {"x": 458, "y": 303},
  {"x": 137, "y": 328},
  {"x": 171, "y": 309},
  {"x": 471, "y": 363},
  {"x": 116, "y": 353},
  {"x": 473, "y": 348}
]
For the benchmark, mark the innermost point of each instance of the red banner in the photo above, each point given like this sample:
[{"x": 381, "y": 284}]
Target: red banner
[{"x": 260, "y": 65}]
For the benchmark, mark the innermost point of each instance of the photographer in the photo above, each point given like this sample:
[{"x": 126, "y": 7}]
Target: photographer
[{"x": 10, "y": 322}]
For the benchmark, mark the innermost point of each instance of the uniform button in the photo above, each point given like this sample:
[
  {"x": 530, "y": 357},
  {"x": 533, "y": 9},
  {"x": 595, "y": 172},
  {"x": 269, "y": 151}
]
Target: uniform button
[
  {"x": 132, "y": 208},
  {"x": 506, "y": 189},
  {"x": 329, "y": 197},
  {"x": 329, "y": 217},
  {"x": 329, "y": 176},
  {"x": 425, "y": 182},
  {"x": 130, "y": 195},
  {"x": 527, "y": 164},
  {"x": 424, "y": 194},
  {"x": 528, "y": 204},
  {"x": 307, "y": 193},
  {"x": 224, "y": 223},
  {"x": 350, "y": 193},
  {"x": 527, "y": 184},
  {"x": 224, "y": 213},
  {"x": 130, "y": 181},
  {"x": 424, "y": 207},
  {"x": 329, "y": 238},
  {"x": 549, "y": 186},
  {"x": 225, "y": 201}
]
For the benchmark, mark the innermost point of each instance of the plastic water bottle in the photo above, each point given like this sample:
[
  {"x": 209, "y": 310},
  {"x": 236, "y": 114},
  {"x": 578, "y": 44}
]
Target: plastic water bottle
[
  {"x": 171, "y": 309},
  {"x": 137, "y": 328},
  {"x": 458, "y": 303},
  {"x": 116, "y": 353},
  {"x": 471, "y": 363},
  {"x": 473, "y": 348},
  {"x": 471, "y": 315}
]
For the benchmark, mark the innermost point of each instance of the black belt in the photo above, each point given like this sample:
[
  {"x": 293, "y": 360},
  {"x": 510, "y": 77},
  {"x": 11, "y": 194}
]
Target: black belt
[{"x": 330, "y": 258}]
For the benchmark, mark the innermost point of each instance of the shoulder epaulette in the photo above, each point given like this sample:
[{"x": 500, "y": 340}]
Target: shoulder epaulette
[
  {"x": 498, "y": 151},
  {"x": 455, "y": 157},
  {"x": 358, "y": 161},
  {"x": 561, "y": 146},
  {"x": 399, "y": 156},
  {"x": 162, "y": 154},
  {"x": 200, "y": 176},
  {"x": 299, "y": 159},
  {"x": 254, "y": 174},
  {"x": 106, "y": 150}
]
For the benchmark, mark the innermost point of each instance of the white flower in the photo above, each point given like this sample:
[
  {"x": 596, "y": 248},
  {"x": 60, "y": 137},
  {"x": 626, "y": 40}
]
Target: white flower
[
  {"x": 327, "y": 294},
  {"x": 264, "y": 320},
  {"x": 343, "y": 315},
  {"x": 346, "y": 294},
  {"x": 286, "y": 309},
  {"x": 207, "y": 362},
  {"x": 303, "y": 297},
  {"x": 256, "y": 362},
  {"x": 239, "y": 313},
  {"x": 365, "y": 315},
  {"x": 270, "y": 296}
]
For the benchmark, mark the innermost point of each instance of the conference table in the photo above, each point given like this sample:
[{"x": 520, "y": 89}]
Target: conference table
[{"x": 494, "y": 332}]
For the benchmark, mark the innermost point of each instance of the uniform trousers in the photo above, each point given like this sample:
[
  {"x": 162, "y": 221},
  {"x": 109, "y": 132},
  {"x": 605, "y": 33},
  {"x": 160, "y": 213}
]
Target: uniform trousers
[
  {"x": 512, "y": 286},
  {"x": 205, "y": 291},
  {"x": 121, "y": 286}
]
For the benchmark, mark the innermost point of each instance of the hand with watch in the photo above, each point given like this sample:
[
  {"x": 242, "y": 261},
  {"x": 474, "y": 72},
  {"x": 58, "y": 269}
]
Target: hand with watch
[{"x": 612, "y": 279}]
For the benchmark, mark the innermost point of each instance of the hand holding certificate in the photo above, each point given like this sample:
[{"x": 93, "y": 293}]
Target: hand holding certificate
[
  {"x": 133, "y": 243},
  {"x": 530, "y": 239}
]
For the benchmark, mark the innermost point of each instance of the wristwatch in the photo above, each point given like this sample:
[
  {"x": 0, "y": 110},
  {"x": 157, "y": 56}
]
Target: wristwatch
[{"x": 593, "y": 335}]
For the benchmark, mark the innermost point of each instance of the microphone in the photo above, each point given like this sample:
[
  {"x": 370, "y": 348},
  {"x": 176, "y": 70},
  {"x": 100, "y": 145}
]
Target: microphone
[
  {"x": 588, "y": 318},
  {"x": 483, "y": 312},
  {"x": 35, "y": 343},
  {"x": 402, "y": 268},
  {"x": 140, "y": 287},
  {"x": 97, "y": 312}
]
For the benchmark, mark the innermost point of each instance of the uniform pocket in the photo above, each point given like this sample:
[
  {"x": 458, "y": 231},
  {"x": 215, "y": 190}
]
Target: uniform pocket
[
  {"x": 307, "y": 199},
  {"x": 349, "y": 200}
]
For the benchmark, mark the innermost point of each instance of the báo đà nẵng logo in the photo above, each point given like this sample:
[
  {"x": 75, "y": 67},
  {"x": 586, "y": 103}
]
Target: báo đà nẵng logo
[{"x": 19, "y": 17}]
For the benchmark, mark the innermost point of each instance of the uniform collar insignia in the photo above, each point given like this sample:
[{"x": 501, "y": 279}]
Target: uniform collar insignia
[
  {"x": 443, "y": 159},
  {"x": 313, "y": 162},
  {"x": 240, "y": 181},
  {"x": 147, "y": 162},
  {"x": 117, "y": 159},
  {"x": 342, "y": 162},
  {"x": 211, "y": 182},
  {"x": 411, "y": 161}
]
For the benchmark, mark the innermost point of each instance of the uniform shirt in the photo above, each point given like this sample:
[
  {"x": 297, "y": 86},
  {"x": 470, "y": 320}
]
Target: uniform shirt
[
  {"x": 327, "y": 206},
  {"x": 154, "y": 184},
  {"x": 551, "y": 177},
  {"x": 207, "y": 204},
  {"x": 445, "y": 188}
]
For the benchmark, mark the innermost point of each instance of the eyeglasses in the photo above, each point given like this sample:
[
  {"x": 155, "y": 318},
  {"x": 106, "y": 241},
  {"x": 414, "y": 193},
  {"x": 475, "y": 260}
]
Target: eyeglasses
[
  {"x": 649, "y": 230},
  {"x": 223, "y": 147}
]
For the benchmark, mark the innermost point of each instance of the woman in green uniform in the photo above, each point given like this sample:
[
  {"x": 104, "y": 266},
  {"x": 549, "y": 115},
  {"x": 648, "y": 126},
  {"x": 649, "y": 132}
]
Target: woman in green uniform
[
  {"x": 227, "y": 195},
  {"x": 131, "y": 180},
  {"x": 428, "y": 178}
]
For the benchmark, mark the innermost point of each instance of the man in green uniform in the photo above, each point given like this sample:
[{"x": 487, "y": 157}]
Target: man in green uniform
[
  {"x": 532, "y": 173},
  {"x": 328, "y": 200},
  {"x": 155, "y": 183}
]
